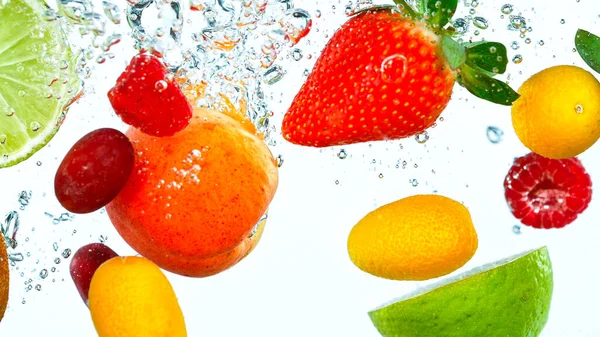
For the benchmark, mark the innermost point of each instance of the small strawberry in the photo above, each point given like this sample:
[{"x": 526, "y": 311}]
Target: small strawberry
[
  {"x": 547, "y": 193},
  {"x": 388, "y": 73},
  {"x": 147, "y": 98}
]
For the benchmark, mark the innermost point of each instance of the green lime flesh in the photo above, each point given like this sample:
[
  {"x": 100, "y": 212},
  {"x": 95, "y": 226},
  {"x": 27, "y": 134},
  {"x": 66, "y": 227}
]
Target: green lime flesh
[
  {"x": 38, "y": 78},
  {"x": 508, "y": 298}
]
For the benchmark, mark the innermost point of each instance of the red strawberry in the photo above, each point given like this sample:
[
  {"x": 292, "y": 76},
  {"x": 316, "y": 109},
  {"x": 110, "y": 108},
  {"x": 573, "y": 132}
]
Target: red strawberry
[
  {"x": 146, "y": 98},
  {"x": 381, "y": 76},
  {"x": 84, "y": 264},
  {"x": 547, "y": 193},
  {"x": 388, "y": 73}
]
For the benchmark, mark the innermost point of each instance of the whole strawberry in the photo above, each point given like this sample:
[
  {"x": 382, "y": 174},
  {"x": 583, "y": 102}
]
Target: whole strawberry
[
  {"x": 146, "y": 97},
  {"x": 388, "y": 73}
]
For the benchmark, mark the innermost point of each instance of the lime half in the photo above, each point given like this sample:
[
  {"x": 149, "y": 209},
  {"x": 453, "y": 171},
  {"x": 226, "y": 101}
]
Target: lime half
[
  {"x": 38, "y": 78},
  {"x": 508, "y": 298}
]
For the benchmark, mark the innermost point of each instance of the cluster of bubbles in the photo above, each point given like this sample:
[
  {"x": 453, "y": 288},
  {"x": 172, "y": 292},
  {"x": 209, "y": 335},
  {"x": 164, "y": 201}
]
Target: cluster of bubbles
[{"x": 222, "y": 52}]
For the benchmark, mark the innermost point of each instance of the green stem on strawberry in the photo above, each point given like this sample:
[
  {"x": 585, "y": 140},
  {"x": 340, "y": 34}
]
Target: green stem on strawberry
[
  {"x": 475, "y": 64},
  {"x": 588, "y": 47}
]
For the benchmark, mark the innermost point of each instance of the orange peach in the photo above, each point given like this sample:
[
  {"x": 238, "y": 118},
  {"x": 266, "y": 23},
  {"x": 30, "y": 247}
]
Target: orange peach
[{"x": 193, "y": 199}]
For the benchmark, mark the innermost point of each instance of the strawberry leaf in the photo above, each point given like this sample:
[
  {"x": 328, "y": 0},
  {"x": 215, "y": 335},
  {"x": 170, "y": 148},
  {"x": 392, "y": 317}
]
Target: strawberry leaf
[
  {"x": 588, "y": 47},
  {"x": 440, "y": 12},
  {"x": 486, "y": 87},
  {"x": 455, "y": 52},
  {"x": 487, "y": 56}
]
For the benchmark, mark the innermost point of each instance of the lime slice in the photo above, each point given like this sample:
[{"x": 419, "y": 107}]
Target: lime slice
[
  {"x": 508, "y": 298},
  {"x": 38, "y": 78}
]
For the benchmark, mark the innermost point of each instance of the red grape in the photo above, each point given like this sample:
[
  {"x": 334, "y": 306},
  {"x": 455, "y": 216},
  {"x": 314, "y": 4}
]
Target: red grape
[
  {"x": 84, "y": 264},
  {"x": 94, "y": 171}
]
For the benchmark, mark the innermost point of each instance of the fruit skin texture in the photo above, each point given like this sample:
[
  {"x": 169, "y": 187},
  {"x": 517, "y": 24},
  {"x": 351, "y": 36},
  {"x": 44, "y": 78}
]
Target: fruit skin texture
[
  {"x": 512, "y": 300},
  {"x": 131, "y": 297},
  {"x": 94, "y": 171},
  {"x": 146, "y": 97},
  {"x": 84, "y": 264},
  {"x": 547, "y": 193},
  {"x": 4, "y": 278},
  {"x": 545, "y": 117},
  {"x": 380, "y": 77},
  {"x": 195, "y": 195},
  {"x": 416, "y": 238}
]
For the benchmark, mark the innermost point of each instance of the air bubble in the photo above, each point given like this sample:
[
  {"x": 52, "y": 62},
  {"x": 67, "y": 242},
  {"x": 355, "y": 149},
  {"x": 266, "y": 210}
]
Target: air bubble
[
  {"x": 507, "y": 9},
  {"x": 161, "y": 85},
  {"x": 422, "y": 138},
  {"x": 579, "y": 108},
  {"x": 342, "y": 154},
  {"x": 34, "y": 126},
  {"x": 480, "y": 22},
  {"x": 494, "y": 134},
  {"x": 517, "y": 59},
  {"x": 297, "y": 54}
]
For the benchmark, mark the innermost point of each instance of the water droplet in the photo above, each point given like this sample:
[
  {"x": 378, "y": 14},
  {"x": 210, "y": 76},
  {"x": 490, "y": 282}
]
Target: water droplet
[
  {"x": 541, "y": 43},
  {"x": 38, "y": 287},
  {"x": 102, "y": 238},
  {"x": 494, "y": 134},
  {"x": 279, "y": 160},
  {"x": 517, "y": 59},
  {"x": 493, "y": 50},
  {"x": 21, "y": 93},
  {"x": 480, "y": 22},
  {"x": 318, "y": 14},
  {"x": 579, "y": 108},
  {"x": 55, "y": 246},
  {"x": 66, "y": 253},
  {"x": 528, "y": 40},
  {"x": 296, "y": 24},
  {"x": 562, "y": 21},
  {"x": 474, "y": 3},
  {"x": 57, "y": 260},
  {"x": 161, "y": 85},
  {"x": 422, "y": 138},
  {"x": 16, "y": 257},
  {"x": 414, "y": 182},
  {"x": 112, "y": 12},
  {"x": 472, "y": 11},
  {"x": 273, "y": 75},
  {"x": 460, "y": 25},
  {"x": 507, "y": 9},
  {"x": 514, "y": 45},
  {"x": 297, "y": 54},
  {"x": 44, "y": 273},
  {"x": 393, "y": 68},
  {"x": 516, "y": 229},
  {"x": 516, "y": 22},
  {"x": 53, "y": 269},
  {"x": 342, "y": 154},
  {"x": 38, "y": 163},
  {"x": 3, "y": 139}
]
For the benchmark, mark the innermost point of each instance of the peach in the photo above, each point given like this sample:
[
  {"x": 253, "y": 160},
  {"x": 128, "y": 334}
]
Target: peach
[{"x": 193, "y": 199}]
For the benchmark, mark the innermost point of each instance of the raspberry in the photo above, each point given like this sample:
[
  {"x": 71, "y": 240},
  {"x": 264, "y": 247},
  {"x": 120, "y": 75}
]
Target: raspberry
[
  {"x": 547, "y": 193},
  {"x": 147, "y": 98}
]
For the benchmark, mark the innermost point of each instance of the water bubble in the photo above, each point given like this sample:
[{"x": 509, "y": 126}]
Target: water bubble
[
  {"x": 55, "y": 246},
  {"x": 296, "y": 24},
  {"x": 422, "y": 138},
  {"x": 342, "y": 154},
  {"x": 414, "y": 182},
  {"x": 517, "y": 59},
  {"x": 38, "y": 287},
  {"x": 102, "y": 238},
  {"x": 579, "y": 108},
  {"x": 480, "y": 22},
  {"x": 528, "y": 40},
  {"x": 516, "y": 22},
  {"x": 66, "y": 253},
  {"x": 460, "y": 25},
  {"x": 493, "y": 50},
  {"x": 273, "y": 75},
  {"x": 3, "y": 139},
  {"x": 474, "y": 4},
  {"x": 516, "y": 229},
  {"x": 53, "y": 269},
  {"x": 380, "y": 175},
  {"x": 297, "y": 54},
  {"x": 161, "y": 85},
  {"x": 44, "y": 273},
  {"x": 394, "y": 68},
  {"x": 57, "y": 260},
  {"x": 24, "y": 198},
  {"x": 494, "y": 134},
  {"x": 507, "y": 9},
  {"x": 38, "y": 163},
  {"x": 9, "y": 228},
  {"x": 15, "y": 257},
  {"x": 472, "y": 11},
  {"x": 562, "y": 21},
  {"x": 515, "y": 45},
  {"x": 279, "y": 160},
  {"x": 112, "y": 12},
  {"x": 318, "y": 14}
]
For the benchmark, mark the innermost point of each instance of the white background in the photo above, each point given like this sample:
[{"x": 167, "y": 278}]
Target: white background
[{"x": 299, "y": 281}]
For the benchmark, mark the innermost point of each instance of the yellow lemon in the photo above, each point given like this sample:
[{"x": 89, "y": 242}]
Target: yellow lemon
[
  {"x": 131, "y": 297},
  {"x": 4, "y": 277},
  {"x": 558, "y": 113},
  {"x": 416, "y": 238}
]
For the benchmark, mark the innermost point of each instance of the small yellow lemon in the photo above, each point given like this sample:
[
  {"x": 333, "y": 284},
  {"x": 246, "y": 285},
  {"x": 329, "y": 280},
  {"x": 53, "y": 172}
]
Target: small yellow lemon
[
  {"x": 4, "y": 277},
  {"x": 558, "y": 113},
  {"x": 416, "y": 238},
  {"x": 131, "y": 297}
]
